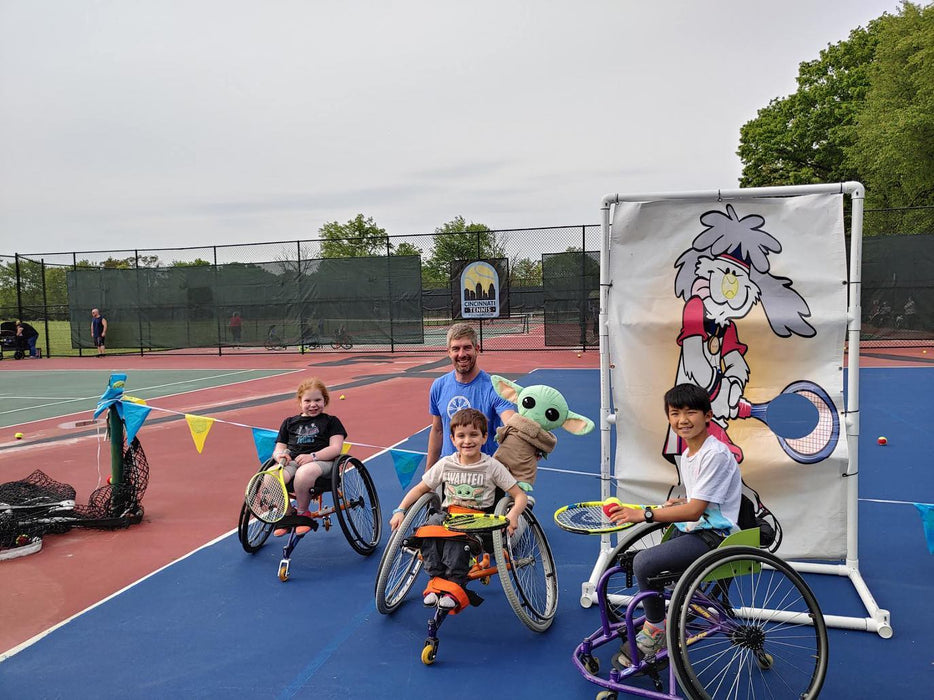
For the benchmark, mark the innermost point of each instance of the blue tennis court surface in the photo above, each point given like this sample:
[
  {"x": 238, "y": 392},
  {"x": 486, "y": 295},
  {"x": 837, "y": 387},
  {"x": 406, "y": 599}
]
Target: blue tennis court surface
[{"x": 219, "y": 623}]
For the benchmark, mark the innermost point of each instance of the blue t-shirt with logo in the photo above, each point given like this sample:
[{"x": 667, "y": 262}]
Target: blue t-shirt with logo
[{"x": 448, "y": 396}]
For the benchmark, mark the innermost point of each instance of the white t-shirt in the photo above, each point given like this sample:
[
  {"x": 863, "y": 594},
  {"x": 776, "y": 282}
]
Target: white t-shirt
[{"x": 712, "y": 475}]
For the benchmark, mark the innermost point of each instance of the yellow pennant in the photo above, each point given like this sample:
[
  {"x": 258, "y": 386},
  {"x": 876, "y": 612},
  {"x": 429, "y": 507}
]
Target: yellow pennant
[
  {"x": 199, "y": 426},
  {"x": 346, "y": 448}
]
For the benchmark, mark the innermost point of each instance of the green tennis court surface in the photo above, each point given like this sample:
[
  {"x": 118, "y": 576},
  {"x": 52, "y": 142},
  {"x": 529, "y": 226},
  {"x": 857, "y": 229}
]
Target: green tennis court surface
[{"x": 36, "y": 395}]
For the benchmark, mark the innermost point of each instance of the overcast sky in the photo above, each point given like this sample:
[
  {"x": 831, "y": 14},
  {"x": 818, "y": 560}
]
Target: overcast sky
[{"x": 139, "y": 124}]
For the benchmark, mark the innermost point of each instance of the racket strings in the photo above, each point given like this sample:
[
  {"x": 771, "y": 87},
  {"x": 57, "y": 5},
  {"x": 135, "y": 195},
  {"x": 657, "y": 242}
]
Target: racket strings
[
  {"x": 820, "y": 437},
  {"x": 267, "y": 496}
]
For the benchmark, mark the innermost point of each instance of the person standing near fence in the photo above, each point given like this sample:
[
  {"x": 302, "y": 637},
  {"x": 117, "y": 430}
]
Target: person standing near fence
[
  {"x": 467, "y": 386},
  {"x": 235, "y": 325},
  {"x": 98, "y": 331}
]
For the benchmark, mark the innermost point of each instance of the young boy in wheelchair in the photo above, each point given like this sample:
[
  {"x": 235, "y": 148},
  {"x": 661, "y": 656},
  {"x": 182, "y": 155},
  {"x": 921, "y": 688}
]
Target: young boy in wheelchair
[
  {"x": 469, "y": 479},
  {"x": 708, "y": 513},
  {"x": 307, "y": 445}
]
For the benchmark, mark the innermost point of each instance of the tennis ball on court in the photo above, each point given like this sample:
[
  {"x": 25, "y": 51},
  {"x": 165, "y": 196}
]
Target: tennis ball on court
[
  {"x": 18, "y": 436},
  {"x": 341, "y": 397},
  {"x": 578, "y": 354},
  {"x": 883, "y": 440},
  {"x": 611, "y": 504}
]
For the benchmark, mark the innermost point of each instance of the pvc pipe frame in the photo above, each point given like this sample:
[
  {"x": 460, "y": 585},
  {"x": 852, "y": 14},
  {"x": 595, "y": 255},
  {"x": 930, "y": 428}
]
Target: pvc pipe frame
[{"x": 878, "y": 619}]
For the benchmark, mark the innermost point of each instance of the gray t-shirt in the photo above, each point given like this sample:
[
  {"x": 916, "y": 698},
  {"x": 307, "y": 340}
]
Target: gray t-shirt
[{"x": 469, "y": 485}]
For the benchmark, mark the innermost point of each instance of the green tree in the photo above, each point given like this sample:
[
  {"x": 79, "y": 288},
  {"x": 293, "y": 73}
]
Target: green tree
[
  {"x": 359, "y": 237},
  {"x": 894, "y": 146},
  {"x": 526, "y": 273},
  {"x": 458, "y": 240},
  {"x": 803, "y": 138}
]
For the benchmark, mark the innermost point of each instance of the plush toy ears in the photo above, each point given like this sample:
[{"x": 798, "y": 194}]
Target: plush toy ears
[
  {"x": 577, "y": 424},
  {"x": 505, "y": 388}
]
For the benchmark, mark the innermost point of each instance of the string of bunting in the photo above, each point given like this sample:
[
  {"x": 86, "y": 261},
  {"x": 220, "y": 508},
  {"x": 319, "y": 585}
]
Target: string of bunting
[{"x": 134, "y": 412}]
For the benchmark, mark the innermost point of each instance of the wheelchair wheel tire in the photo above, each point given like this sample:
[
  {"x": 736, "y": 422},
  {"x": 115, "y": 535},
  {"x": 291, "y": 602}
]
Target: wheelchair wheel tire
[
  {"x": 252, "y": 531},
  {"x": 527, "y": 570},
  {"x": 759, "y": 604},
  {"x": 357, "y": 504},
  {"x": 400, "y": 565}
]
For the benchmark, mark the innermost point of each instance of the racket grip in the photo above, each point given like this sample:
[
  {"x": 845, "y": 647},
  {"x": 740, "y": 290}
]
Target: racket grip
[{"x": 743, "y": 409}]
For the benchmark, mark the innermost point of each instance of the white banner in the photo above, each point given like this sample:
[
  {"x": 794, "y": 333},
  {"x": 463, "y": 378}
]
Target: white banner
[{"x": 746, "y": 298}]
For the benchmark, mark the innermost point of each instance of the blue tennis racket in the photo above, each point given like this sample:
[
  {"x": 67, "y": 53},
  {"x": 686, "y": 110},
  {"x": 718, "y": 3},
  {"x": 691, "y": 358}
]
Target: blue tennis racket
[{"x": 804, "y": 419}]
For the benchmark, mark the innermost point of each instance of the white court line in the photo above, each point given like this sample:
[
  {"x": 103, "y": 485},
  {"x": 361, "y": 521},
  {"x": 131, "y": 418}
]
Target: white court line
[{"x": 56, "y": 402}]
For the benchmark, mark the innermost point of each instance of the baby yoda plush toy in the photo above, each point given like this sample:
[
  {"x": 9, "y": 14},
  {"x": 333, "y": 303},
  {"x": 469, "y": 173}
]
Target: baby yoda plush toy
[{"x": 526, "y": 437}]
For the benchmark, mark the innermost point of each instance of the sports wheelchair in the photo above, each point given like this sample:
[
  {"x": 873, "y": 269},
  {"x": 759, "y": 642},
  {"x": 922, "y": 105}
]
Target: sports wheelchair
[
  {"x": 523, "y": 562},
  {"x": 353, "y": 500},
  {"x": 741, "y": 622}
]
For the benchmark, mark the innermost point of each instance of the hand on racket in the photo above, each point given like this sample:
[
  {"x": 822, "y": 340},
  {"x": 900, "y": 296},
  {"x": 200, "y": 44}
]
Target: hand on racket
[
  {"x": 593, "y": 517},
  {"x": 266, "y": 495}
]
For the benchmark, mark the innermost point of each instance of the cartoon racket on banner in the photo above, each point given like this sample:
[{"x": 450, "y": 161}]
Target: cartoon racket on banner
[{"x": 803, "y": 418}]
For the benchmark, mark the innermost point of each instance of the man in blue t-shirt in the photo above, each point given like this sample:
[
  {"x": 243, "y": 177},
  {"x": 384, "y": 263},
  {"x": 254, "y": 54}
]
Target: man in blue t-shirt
[{"x": 467, "y": 386}]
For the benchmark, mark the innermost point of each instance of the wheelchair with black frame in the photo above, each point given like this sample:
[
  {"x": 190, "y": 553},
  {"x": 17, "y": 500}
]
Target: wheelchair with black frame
[{"x": 347, "y": 492}]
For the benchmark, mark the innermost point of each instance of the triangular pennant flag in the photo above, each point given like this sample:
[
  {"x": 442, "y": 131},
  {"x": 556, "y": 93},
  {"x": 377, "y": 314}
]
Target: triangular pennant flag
[
  {"x": 133, "y": 416},
  {"x": 265, "y": 441},
  {"x": 112, "y": 394},
  {"x": 927, "y": 517},
  {"x": 346, "y": 448},
  {"x": 199, "y": 426},
  {"x": 405, "y": 463}
]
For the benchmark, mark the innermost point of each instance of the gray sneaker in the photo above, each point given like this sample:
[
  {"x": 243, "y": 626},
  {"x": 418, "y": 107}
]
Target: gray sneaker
[{"x": 647, "y": 645}]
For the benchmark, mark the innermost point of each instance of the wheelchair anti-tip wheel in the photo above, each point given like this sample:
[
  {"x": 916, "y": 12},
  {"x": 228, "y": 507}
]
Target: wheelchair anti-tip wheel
[
  {"x": 284, "y": 570},
  {"x": 527, "y": 570},
  {"x": 429, "y": 651},
  {"x": 758, "y": 629},
  {"x": 400, "y": 565},
  {"x": 357, "y": 504}
]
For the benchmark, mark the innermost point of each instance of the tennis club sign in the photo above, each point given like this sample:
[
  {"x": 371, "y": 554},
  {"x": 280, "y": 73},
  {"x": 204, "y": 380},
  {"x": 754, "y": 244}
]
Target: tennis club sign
[{"x": 479, "y": 290}]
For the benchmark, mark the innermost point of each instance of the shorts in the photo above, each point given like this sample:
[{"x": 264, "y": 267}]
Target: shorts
[{"x": 98, "y": 340}]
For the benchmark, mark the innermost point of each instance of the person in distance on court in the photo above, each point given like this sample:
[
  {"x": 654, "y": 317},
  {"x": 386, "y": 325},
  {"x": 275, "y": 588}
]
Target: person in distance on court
[
  {"x": 466, "y": 386},
  {"x": 709, "y": 512},
  {"x": 235, "y": 324},
  {"x": 468, "y": 479},
  {"x": 30, "y": 335},
  {"x": 307, "y": 445},
  {"x": 98, "y": 331}
]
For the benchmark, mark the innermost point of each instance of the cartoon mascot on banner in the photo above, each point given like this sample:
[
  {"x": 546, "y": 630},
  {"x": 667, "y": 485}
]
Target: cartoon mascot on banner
[{"x": 721, "y": 278}]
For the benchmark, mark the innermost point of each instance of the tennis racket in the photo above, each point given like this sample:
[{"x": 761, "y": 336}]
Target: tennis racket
[
  {"x": 475, "y": 522},
  {"x": 266, "y": 495},
  {"x": 804, "y": 419},
  {"x": 588, "y": 518}
]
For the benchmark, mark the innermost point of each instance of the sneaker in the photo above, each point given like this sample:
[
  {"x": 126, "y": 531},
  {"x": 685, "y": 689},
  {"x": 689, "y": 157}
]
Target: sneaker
[
  {"x": 303, "y": 529},
  {"x": 447, "y": 602},
  {"x": 649, "y": 642},
  {"x": 430, "y": 599}
]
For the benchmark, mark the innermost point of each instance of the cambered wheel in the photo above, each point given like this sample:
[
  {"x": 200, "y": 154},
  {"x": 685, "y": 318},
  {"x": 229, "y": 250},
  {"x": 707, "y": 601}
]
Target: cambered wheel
[
  {"x": 357, "y": 504},
  {"x": 399, "y": 565},
  {"x": 614, "y": 589},
  {"x": 758, "y": 633},
  {"x": 252, "y": 531},
  {"x": 527, "y": 570}
]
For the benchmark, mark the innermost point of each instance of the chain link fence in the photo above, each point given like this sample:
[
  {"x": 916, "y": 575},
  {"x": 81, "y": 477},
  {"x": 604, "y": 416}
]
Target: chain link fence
[{"x": 286, "y": 297}]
